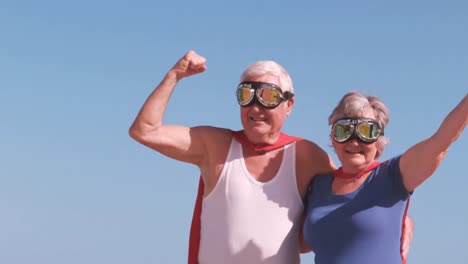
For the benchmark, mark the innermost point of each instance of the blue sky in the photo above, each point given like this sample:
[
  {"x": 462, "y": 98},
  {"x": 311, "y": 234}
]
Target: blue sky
[{"x": 74, "y": 188}]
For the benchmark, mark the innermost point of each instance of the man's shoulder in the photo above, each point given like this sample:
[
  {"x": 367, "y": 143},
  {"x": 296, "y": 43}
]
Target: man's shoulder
[
  {"x": 217, "y": 140},
  {"x": 305, "y": 146},
  {"x": 312, "y": 156},
  {"x": 213, "y": 133}
]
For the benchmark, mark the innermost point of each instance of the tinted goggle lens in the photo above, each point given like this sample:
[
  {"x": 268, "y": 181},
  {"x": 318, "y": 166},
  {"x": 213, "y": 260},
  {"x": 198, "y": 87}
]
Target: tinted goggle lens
[
  {"x": 244, "y": 95},
  {"x": 342, "y": 131},
  {"x": 268, "y": 96},
  {"x": 366, "y": 130}
]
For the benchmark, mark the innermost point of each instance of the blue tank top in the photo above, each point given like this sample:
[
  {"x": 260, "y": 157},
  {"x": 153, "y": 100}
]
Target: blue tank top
[{"x": 361, "y": 227}]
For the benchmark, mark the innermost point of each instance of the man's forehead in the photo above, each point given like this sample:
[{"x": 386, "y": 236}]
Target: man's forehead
[{"x": 267, "y": 78}]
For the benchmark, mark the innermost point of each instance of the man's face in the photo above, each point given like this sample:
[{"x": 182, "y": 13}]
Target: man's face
[{"x": 262, "y": 125}]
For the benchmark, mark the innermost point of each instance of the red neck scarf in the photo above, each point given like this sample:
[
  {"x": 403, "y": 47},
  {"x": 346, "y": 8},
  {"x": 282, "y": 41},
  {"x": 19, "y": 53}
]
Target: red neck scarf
[
  {"x": 340, "y": 174},
  {"x": 282, "y": 140},
  {"x": 194, "y": 241}
]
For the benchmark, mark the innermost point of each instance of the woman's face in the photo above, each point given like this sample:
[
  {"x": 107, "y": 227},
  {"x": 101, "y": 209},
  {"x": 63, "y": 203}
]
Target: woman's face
[{"x": 354, "y": 154}]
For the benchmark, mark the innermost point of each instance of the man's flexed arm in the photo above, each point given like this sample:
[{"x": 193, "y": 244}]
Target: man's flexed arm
[{"x": 174, "y": 141}]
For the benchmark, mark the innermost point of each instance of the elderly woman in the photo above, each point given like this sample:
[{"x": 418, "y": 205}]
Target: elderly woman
[{"x": 355, "y": 215}]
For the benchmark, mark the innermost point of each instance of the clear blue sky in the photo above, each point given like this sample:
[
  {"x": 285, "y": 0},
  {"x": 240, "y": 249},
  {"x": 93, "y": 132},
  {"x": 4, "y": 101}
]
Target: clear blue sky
[{"x": 74, "y": 188}]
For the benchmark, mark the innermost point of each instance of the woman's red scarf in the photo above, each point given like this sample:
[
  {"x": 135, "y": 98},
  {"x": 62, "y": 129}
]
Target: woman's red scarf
[
  {"x": 340, "y": 174},
  {"x": 194, "y": 241}
]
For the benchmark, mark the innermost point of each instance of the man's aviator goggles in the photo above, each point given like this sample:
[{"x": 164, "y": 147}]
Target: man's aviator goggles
[
  {"x": 363, "y": 129},
  {"x": 266, "y": 94}
]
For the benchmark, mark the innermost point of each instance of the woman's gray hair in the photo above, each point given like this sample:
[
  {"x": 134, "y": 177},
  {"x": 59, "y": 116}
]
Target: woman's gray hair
[
  {"x": 261, "y": 68},
  {"x": 355, "y": 104}
]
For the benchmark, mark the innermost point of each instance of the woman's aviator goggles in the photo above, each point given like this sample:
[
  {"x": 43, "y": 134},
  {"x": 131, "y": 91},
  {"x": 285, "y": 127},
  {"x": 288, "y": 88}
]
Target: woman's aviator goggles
[
  {"x": 363, "y": 129},
  {"x": 266, "y": 94}
]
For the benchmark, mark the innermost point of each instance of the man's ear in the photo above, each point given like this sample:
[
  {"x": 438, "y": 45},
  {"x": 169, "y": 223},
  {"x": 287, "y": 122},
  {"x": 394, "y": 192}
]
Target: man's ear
[{"x": 290, "y": 103}]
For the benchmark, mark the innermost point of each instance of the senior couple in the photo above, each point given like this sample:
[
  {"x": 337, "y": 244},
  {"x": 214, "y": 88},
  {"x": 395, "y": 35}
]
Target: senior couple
[{"x": 265, "y": 196}]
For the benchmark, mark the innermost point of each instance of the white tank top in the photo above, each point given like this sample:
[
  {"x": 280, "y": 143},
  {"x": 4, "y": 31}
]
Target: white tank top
[{"x": 247, "y": 221}]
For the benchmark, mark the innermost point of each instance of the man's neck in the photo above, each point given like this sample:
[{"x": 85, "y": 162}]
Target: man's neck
[{"x": 281, "y": 140}]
